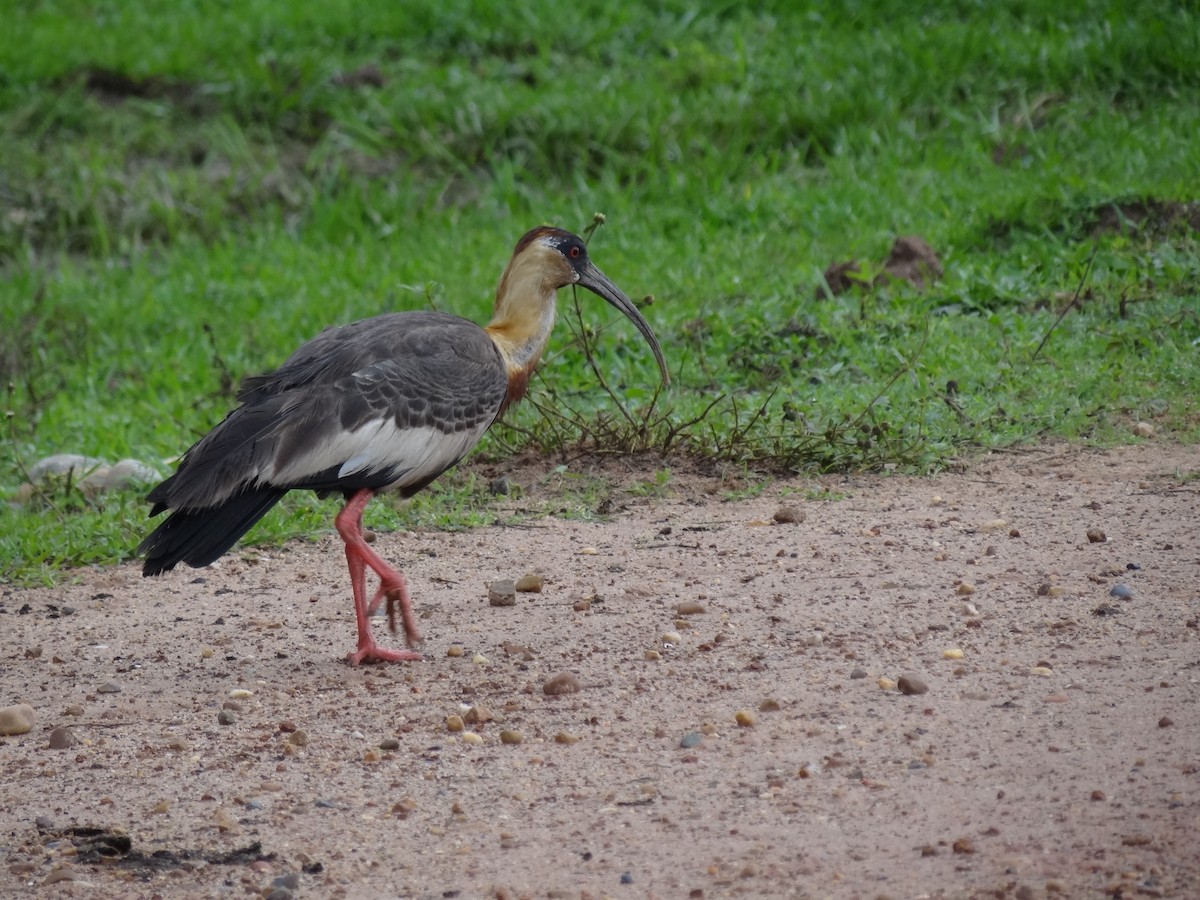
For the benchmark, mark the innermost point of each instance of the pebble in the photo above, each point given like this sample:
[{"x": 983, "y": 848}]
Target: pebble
[
  {"x": 63, "y": 739},
  {"x": 994, "y": 525},
  {"x": 232, "y": 705},
  {"x": 500, "y": 487},
  {"x": 470, "y": 737},
  {"x": 529, "y": 584},
  {"x": 652, "y": 655},
  {"x": 75, "y": 709},
  {"x": 16, "y": 719},
  {"x": 241, "y": 694},
  {"x": 565, "y": 737},
  {"x": 298, "y": 738},
  {"x": 690, "y": 608},
  {"x": 911, "y": 685},
  {"x": 858, "y": 673},
  {"x": 1043, "y": 671},
  {"x": 769, "y": 704},
  {"x": 562, "y": 683},
  {"x": 178, "y": 744},
  {"x": 965, "y": 589},
  {"x": 1096, "y": 536},
  {"x": 968, "y": 609},
  {"x": 788, "y": 515},
  {"x": 109, "y": 687},
  {"x": 226, "y": 717},
  {"x": 744, "y": 718},
  {"x": 389, "y": 744},
  {"x": 502, "y": 593},
  {"x": 291, "y": 881},
  {"x": 455, "y": 651},
  {"x": 952, "y": 653},
  {"x": 480, "y": 660},
  {"x": 455, "y": 723},
  {"x": 672, "y": 637},
  {"x": 885, "y": 683},
  {"x": 1166, "y": 722},
  {"x": 691, "y": 740},
  {"x": 963, "y": 845},
  {"x": 509, "y": 736},
  {"x": 582, "y": 605},
  {"x": 1143, "y": 429},
  {"x": 589, "y": 551},
  {"x": 1121, "y": 591},
  {"x": 478, "y": 715}
]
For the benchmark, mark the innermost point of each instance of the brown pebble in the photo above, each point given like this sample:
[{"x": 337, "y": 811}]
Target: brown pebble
[
  {"x": 232, "y": 705},
  {"x": 502, "y": 593},
  {"x": 582, "y": 606},
  {"x": 788, "y": 515},
  {"x": 63, "y": 739},
  {"x": 508, "y": 736},
  {"x": 1098, "y": 795},
  {"x": 689, "y": 608},
  {"x": 1165, "y": 722},
  {"x": 562, "y": 683},
  {"x": 109, "y": 687},
  {"x": 564, "y": 737},
  {"x": 478, "y": 715},
  {"x": 1096, "y": 536},
  {"x": 529, "y": 584},
  {"x": 454, "y": 723},
  {"x": 298, "y": 738},
  {"x": 744, "y": 718},
  {"x": 929, "y": 850},
  {"x": 389, "y": 744},
  {"x": 769, "y": 704},
  {"x": 1014, "y": 532},
  {"x": 963, "y": 845},
  {"x": 226, "y": 717},
  {"x": 287, "y": 726},
  {"x": 912, "y": 685}
]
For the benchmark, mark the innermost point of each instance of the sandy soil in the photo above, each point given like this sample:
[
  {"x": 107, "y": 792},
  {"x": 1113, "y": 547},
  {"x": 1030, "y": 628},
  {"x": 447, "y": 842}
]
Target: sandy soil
[{"x": 1059, "y": 756}]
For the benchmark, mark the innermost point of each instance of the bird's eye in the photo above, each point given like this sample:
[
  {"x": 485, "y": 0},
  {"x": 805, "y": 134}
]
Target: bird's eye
[{"x": 575, "y": 252}]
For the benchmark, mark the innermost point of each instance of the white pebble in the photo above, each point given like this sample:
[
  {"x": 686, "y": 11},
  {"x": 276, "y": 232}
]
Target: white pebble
[{"x": 672, "y": 637}]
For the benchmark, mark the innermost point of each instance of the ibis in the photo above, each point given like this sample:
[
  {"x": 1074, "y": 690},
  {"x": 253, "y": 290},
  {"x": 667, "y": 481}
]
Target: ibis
[{"x": 383, "y": 404}]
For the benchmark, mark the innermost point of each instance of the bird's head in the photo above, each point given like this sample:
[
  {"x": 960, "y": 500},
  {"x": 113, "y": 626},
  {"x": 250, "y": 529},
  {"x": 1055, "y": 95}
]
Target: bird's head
[{"x": 544, "y": 260}]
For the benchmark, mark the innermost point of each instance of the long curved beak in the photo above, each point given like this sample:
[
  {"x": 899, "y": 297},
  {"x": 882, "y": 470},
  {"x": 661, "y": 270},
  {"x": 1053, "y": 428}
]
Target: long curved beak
[{"x": 597, "y": 282}]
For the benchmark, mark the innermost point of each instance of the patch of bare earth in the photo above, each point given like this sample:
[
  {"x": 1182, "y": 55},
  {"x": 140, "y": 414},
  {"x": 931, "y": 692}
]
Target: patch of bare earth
[{"x": 735, "y": 731}]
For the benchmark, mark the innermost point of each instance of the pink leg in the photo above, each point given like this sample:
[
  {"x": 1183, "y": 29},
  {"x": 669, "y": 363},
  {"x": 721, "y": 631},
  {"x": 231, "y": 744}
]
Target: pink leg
[{"x": 358, "y": 556}]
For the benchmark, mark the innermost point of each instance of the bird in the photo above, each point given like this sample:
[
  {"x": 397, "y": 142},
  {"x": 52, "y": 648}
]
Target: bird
[{"x": 386, "y": 403}]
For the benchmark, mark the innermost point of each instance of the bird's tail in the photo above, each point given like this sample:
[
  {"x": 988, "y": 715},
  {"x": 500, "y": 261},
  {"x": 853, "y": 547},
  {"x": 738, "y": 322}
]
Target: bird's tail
[{"x": 199, "y": 536}]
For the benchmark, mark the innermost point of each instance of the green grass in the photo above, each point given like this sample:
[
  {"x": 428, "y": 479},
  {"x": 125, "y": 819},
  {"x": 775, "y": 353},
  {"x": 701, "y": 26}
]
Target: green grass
[{"x": 189, "y": 190}]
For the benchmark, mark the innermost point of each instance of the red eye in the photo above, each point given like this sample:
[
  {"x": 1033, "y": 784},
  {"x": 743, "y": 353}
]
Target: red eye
[{"x": 575, "y": 251}]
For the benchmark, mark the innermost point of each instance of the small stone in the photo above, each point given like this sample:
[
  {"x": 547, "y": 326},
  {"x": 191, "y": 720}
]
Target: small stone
[
  {"x": 744, "y": 718},
  {"x": 994, "y": 525},
  {"x": 207, "y": 652},
  {"x": 478, "y": 715},
  {"x": 589, "y": 551},
  {"x": 1014, "y": 532},
  {"x": 788, "y": 515},
  {"x": 298, "y": 738},
  {"x": 287, "y": 726},
  {"x": 562, "y": 683},
  {"x": 1043, "y": 671},
  {"x": 968, "y": 609},
  {"x": 1096, "y": 536},
  {"x": 63, "y": 739},
  {"x": 502, "y": 593},
  {"x": 911, "y": 685},
  {"x": 564, "y": 737},
  {"x": 652, "y": 655},
  {"x": 178, "y": 744},
  {"x": 1121, "y": 592},
  {"x": 672, "y": 637},
  {"x": 291, "y": 880},
  {"x": 108, "y": 687},
  {"x": 1166, "y": 722},
  {"x": 858, "y": 673},
  {"x": 17, "y": 719},
  {"x": 990, "y": 550},
  {"x": 965, "y": 589},
  {"x": 691, "y": 740},
  {"x": 509, "y": 736},
  {"x": 75, "y": 709},
  {"x": 241, "y": 694},
  {"x": 690, "y": 608},
  {"x": 454, "y": 723},
  {"x": 952, "y": 653},
  {"x": 480, "y": 660},
  {"x": 232, "y": 705},
  {"x": 226, "y": 717},
  {"x": 769, "y": 704},
  {"x": 161, "y": 807},
  {"x": 470, "y": 737},
  {"x": 529, "y": 584},
  {"x": 1098, "y": 796},
  {"x": 389, "y": 744},
  {"x": 963, "y": 845},
  {"x": 455, "y": 651},
  {"x": 60, "y": 874},
  {"x": 885, "y": 683},
  {"x": 500, "y": 487},
  {"x": 1143, "y": 429}
]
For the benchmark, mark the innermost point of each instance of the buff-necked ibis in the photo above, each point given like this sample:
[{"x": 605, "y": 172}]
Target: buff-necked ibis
[{"x": 386, "y": 403}]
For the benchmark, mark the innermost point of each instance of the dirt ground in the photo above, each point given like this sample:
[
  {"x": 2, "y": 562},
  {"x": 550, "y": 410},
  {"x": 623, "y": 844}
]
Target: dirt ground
[{"x": 735, "y": 731}]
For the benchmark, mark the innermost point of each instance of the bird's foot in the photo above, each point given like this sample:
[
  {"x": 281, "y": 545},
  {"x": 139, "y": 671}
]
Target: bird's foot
[
  {"x": 372, "y": 652},
  {"x": 397, "y": 601}
]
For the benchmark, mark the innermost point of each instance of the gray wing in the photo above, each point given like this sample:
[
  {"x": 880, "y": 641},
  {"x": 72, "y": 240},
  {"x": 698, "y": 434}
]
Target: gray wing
[{"x": 391, "y": 401}]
